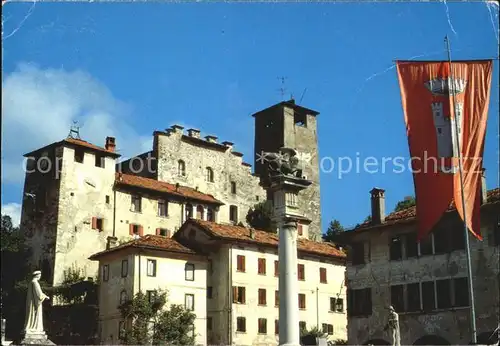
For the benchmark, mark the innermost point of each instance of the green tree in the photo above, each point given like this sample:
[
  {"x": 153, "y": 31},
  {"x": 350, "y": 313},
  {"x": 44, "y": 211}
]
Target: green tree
[
  {"x": 405, "y": 204},
  {"x": 333, "y": 230},
  {"x": 149, "y": 321},
  {"x": 260, "y": 217}
]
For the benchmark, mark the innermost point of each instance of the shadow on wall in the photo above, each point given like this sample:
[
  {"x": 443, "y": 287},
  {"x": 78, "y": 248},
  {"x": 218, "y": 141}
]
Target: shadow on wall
[{"x": 431, "y": 340}]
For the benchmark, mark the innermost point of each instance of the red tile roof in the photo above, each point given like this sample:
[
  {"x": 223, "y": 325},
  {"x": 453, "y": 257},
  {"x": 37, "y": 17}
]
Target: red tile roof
[
  {"x": 160, "y": 186},
  {"x": 152, "y": 242},
  {"x": 411, "y": 212},
  {"x": 242, "y": 234},
  {"x": 77, "y": 142}
]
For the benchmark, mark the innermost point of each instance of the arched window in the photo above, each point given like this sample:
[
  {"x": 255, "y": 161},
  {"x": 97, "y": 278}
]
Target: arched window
[
  {"x": 210, "y": 215},
  {"x": 210, "y": 175},
  {"x": 200, "y": 212},
  {"x": 181, "y": 168}
]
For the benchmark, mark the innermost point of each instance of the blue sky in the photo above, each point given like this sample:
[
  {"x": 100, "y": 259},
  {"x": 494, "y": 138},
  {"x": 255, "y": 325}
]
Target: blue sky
[{"x": 127, "y": 69}]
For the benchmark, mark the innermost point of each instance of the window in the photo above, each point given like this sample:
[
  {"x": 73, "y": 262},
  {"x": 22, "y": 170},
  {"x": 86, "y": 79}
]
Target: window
[
  {"x": 428, "y": 296},
  {"x": 395, "y": 249},
  {"x": 99, "y": 161},
  {"x": 209, "y": 175},
  {"x": 322, "y": 275},
  {"x": 189, "y": 271},
  {"x": 240, "y": 263},
  {"x": 425, "y": 245},
  {"x": 123, "y": 297},
  {"x": 136, "y": 230},
  {"x": 105, "y": 272},
  {"x": 302, "y": 301},
  {"x": 262, "y": 296},
  {"x": 107, "y": 199},
  {"x": 238, "y": 295},
  {"x": 181, "y": 168},
  {"x": 209, "y": 323},
  {"x": 301, "y": 272},
  {"x": 359, "y": 302},
  {"x": 98, "y": 224},
  {"x": 327, "y": 328},
  {"x": 124, "y": 268},
  {"x": 443, "y": 294},
  {"x": 162, "y": 208},
  {"x": 302, "y": 326},
  {"x": 163, "y": 232},
  {"x": 200, "y": 212},
  {"x": 189, "y": 302},
  {"x": 299, "y": 229},
  {"x": 276, "y": 269},
  {"x": 150, "y": 295},
  {"x": 241, "y": 324},
  {"x": 79, "y": 154},
  {"x": 441, "y": 241},
  {"x": 189, "y": 211},
  {"x": 332, "y": 304},
  {"x": 209, "y": 292},
  {"x": 461, "y": 288},
  {"x": 276, "y": 327},
  {"x": 358, "y": 253},
  {"x": 339, "y": 305},
  {"x": 411, "y": 245},
  {"x": 276, "y": 298},
  {"x": 233, "y": 213},
  {"x": 262, "y": 322},
  {"x": 413, "y": 297},
  {"x": 233, "y": 187},
  {"x": 457, "y": 237},
  {"x": 210, "y": 215},
  {"x": 261, "y": 263},
  {"x": 151, "y": 267},
  {"x": 135, "y": 203},
  {"x": 330, "y": 329},
  {"x": 397, "y": 297}
]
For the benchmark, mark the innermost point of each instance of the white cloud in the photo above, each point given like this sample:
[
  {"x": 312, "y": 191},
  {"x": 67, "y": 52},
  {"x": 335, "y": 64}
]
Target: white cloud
[
  {"x": 40, "y": 105},
  {"x": 14, "y": 211}
]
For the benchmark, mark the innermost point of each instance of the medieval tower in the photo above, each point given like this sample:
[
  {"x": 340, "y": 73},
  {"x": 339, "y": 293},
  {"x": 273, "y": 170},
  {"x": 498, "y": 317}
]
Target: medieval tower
[{"x": 287, "y": 124}]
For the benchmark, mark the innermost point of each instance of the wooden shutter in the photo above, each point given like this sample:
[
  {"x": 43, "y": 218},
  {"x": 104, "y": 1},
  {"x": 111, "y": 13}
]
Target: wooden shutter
[
  {"x": 131, "y": 229},
  {"x": 322, "y": 275},
  {"x": 94, "y": 223},
  {"x": 158, "y": 231},
  {"x": 242, "y": 263},
  {"x": 299, "y": 229},
  {"x": 276, "y": 298},
  {"x": 235, "y": 294},
  {"x": 276, "y": 268},
  {"x": 141, "y": 231},
  {"x": 243, "y": 298}
]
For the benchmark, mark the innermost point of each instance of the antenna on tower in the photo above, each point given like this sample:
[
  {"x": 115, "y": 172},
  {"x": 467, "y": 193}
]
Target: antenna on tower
[
  {"x": 303, "y": 93},
  {"x": 282, "y": 89},
  {"x": 74, "y": 131}
]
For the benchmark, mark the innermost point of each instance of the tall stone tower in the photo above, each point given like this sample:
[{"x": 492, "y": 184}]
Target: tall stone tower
[{"x": 287, "y": 124}]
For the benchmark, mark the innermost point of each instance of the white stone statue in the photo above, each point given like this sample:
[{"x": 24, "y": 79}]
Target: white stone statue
[
  {"x": 34, "y": 310},
  {"x": 393, "y": 326}
]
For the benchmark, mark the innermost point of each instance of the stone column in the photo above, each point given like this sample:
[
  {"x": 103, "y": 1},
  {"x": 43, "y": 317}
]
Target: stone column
[{"x": 289, "y": 333}]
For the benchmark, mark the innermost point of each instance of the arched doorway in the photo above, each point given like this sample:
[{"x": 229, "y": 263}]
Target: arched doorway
[
  {"x": 377, "y": 342},
  {"x": 431, "y": 340}
]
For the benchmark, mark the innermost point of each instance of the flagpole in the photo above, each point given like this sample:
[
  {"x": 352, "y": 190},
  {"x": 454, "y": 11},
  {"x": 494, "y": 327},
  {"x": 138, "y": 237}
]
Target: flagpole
[{"x": 451, "y": 87}]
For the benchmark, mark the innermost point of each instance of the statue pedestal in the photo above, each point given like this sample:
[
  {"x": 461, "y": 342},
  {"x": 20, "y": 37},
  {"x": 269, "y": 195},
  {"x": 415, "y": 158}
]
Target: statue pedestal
[{"x": 35, "y": 338}]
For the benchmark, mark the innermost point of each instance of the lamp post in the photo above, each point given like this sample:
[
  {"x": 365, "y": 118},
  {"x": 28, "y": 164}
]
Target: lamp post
[{"x": 285, "y": 182}]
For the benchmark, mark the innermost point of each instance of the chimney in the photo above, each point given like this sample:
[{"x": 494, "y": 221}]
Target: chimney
[
  {"x": 110, "y": 144},
  {"x": 112, "y": 242},
  {"x": 378, "y": 205},
  {"x": 177, "y": 129},
  {"x": 252, "y": 233},
  {"x": 484, "y": 189},
  {"x": 228, "y": 145},
  {"x": 194, "y": 133},
  {"x": 211, "y": 139}
]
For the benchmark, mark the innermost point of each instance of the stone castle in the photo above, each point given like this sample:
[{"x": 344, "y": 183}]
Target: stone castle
[{"x": 78, "y": 198}]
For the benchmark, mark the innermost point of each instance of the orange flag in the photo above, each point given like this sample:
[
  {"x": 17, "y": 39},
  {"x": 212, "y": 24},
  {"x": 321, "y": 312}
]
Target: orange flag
[{"x": 433, "y": 98}]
